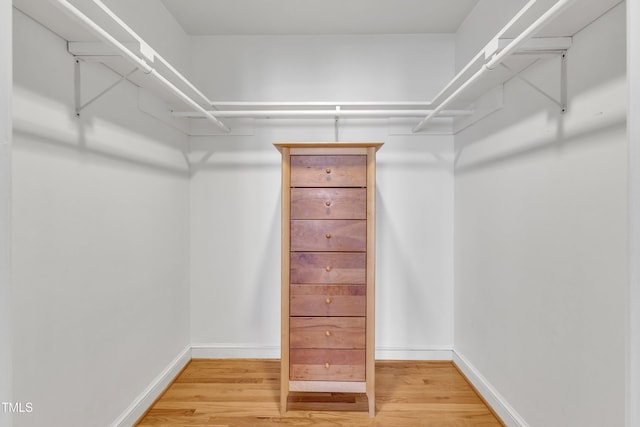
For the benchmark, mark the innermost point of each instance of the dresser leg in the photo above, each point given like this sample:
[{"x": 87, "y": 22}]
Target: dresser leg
[
  {"x": 284, "y": 396},
  {"x": 371, "y": 397}
]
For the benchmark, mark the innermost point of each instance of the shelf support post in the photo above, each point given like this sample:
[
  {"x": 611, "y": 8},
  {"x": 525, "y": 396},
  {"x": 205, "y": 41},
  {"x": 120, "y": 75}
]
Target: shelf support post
[{"x": 563, "y": 82}]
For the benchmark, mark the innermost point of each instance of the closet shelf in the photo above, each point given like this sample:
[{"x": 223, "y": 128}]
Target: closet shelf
[
  {"x": 514, "y": 49},
  {"x": 492, "y": 56},
  {"x": 139, "y": 58},
  {"x": 541, "y": 29}
]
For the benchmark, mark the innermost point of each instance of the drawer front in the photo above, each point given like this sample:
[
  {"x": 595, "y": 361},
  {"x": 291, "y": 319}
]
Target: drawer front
[
  {"x": 348, "y": 235},
  {"x": 328, "y": 203},
  {"x": 328, "y": 300},
  {"x": 327, "y": 332},
  {"x": 327, "y": 268},
  {"x": 328, "y": 171},
  {"x": 326, "y": 365}
]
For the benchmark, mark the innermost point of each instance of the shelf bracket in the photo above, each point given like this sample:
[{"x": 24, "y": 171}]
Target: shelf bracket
[
  {"x": 562, "y": 102},
  {"x": 79, "y": 106}
]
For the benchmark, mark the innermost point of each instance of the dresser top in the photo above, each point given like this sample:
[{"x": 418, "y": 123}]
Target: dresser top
[{"x": 281, "y": 145}]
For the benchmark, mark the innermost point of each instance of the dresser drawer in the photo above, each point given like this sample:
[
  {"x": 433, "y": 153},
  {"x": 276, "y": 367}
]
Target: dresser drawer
[
  {"x": 326, "y": 365},
  {"x": 328, "y": 171},
  {"x": 328, "y": 203},
  {"x": 328, "y": 267},
  {"x": 328, "y": 300},
  {"x": 346, "y": 235},
  {"x": 327, "y": 332}
]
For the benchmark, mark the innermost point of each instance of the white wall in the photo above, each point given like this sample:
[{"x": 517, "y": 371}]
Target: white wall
[
  {"x": 100, "y": 240},
  {"x": 5, "y": 201},
  {"x": 541, "y": 239},
  {"x": 235, "y": 187},
  {"x": 633, "y": 331}
]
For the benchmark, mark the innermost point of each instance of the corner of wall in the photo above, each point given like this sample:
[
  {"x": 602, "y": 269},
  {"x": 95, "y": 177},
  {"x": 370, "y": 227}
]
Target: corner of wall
[
  {"x": 633, "y": 309},
  {"x": 144, "y": 401},
  {"x": 5, "y": 209},
  {"x": 492, "y": 397}
]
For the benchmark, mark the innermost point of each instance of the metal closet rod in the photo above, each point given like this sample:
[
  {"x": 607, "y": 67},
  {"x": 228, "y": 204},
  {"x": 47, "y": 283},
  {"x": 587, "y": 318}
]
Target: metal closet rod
[
  {"x": 499, "y": 57},
  {"x": 423, "y": 104},
  {"x": 215, "y": 104},
  {"x": 486, "y": 67},
  {"x": 213, "y": 115},
  {"x": 156, "y": 55},
  {"x": 132, "y": 57},
  {"x": 273, "y": 114},
  {"x": 481, "y": 54}
]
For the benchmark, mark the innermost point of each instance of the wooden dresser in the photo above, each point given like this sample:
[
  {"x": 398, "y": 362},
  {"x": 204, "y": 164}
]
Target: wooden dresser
[{"x": 328, "y": 268}]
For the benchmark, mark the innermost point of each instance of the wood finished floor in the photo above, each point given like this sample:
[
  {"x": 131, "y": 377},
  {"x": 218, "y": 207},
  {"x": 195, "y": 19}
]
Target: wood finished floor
[{"x": 242, "y": 392}]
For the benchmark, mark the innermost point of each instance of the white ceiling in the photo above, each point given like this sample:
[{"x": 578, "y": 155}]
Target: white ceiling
[{"x": 270, "y": 17}]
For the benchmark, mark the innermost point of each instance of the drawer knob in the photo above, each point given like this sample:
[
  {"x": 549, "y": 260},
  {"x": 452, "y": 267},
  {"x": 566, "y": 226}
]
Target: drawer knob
[
  {"x": 328, "y": 235},
  {"x": 328, "y": 170},
  {"x": 328, "y": 333},
  {"x": 328, "y": 268},
  {"x": 328, "y": 301},
  {"x": 327, "y": 203},
  {"x": 327, "y": 365}
]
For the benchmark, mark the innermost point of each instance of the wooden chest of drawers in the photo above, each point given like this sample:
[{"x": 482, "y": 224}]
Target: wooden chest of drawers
[{"x": 328, "y": 255}]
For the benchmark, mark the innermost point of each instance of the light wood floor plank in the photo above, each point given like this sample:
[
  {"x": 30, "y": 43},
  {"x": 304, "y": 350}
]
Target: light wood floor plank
[{"x": 243, "y": 393}]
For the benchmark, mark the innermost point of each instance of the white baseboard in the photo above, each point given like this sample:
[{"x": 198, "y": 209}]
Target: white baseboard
[
  {"x": 234, "y": 351},
  {"x": 397, "y": 353},
  {"x": 151, "y": 393},
  {"x": 508, "y": 415},
  {"x": 255, "y": 351}
]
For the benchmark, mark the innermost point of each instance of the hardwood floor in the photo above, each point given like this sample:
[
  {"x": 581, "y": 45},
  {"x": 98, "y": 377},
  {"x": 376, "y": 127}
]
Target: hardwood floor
[{"x": 242, "y": 392}]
